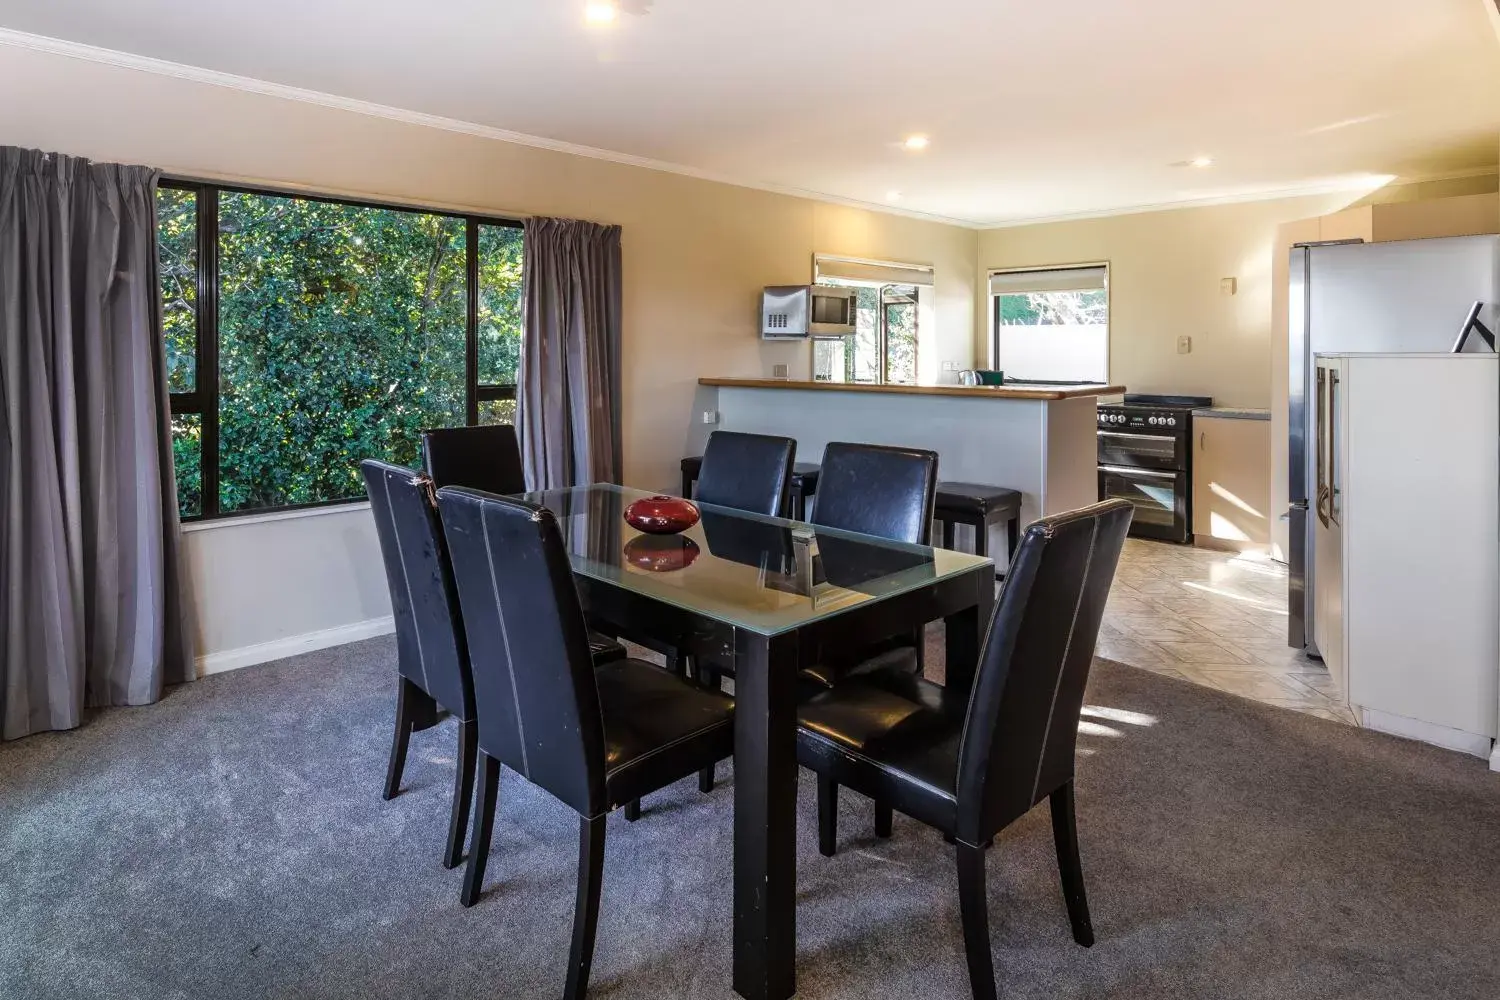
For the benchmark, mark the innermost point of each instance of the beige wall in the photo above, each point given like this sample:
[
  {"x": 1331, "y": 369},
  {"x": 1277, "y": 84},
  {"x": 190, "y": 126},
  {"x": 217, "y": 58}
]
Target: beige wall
[
  {"x": 696, "y": 252},
  {"x": 1165, "y": 272}
]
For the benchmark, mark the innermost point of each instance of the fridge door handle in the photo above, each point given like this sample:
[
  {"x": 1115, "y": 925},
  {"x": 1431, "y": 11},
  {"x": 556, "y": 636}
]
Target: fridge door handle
[
  {"x": 1335, "y": 504},
  {"x": 1320, "y": 452}
]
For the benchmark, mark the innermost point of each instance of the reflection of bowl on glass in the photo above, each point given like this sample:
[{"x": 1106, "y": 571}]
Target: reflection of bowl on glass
[
  {"x": 661, "y": 515},
  {"x": 661, "y": 553}
]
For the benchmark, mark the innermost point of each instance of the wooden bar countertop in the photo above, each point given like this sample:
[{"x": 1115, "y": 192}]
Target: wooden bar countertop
[{"x": 972, "y": 391}]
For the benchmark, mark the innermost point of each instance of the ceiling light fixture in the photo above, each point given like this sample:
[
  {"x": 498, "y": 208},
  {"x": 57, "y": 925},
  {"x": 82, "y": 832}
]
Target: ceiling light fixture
[
  {"x": 893, "y": 196},
  {"x": 1201, "y": 161},
  {"x": 601, "y": 11},
  {"x": 916, "y": 142}
]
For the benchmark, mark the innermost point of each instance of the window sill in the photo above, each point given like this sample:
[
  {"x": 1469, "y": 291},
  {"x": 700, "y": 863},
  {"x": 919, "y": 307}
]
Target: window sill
[{"x": 192, "y": 527}]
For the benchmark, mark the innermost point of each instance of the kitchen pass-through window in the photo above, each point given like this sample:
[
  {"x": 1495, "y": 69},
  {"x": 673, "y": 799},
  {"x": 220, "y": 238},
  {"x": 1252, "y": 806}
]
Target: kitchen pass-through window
[
  {"x": 889, "y": 302},
  {"x": 1052, "y": 324}
]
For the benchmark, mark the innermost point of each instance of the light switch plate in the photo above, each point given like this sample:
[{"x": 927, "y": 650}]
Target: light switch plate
[
  {"x": 1229, "y": 285},
  {"x": 780, "y": 371},
  {"x": 1184, "y": 345}
]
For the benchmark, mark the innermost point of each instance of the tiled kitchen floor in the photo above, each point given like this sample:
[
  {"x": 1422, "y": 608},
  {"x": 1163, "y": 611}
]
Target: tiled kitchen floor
[{"x": 1214, "y": 618}]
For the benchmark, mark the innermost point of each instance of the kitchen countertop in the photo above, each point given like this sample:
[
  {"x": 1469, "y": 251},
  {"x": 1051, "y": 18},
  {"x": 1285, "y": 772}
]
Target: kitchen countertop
[
  {"x": 970, "y": 391},
  {"x": 1233, "y": 412}
]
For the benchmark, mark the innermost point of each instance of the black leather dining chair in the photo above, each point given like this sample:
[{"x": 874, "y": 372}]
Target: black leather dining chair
[
  {"x": 431, "y": 656},
  {"x": 882, "y": 491},
  {"x": 593, "y": 738},
  {"x": 970, "y": 766},
  {"x": 488, "y": 459},
  {"x": 484, "y": 458},
  {"x": 877, "y": 490},
  {"x": 750, "y": 472}
]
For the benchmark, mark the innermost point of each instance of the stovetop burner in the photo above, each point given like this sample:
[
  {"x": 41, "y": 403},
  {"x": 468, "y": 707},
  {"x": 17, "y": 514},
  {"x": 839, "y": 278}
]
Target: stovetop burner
[{"x": 1153, "y": 414}]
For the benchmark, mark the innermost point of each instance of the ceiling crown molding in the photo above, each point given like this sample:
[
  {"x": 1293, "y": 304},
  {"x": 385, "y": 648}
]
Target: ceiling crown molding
[
  {"x": 265, "y": 88},
  {"x": 1345, "y": 186}
]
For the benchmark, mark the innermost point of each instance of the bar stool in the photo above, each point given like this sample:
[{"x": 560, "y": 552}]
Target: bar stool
[
  {"x": 804, "y": 483},
  {"x": 979, "y": 506}
]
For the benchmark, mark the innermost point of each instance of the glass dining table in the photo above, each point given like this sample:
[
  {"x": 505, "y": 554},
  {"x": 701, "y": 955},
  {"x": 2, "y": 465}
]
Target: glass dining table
[{"x": 761, "y": 597}]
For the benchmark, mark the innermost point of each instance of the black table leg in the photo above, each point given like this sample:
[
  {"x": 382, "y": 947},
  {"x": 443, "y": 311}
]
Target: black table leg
[
  {"x": 765, "y": 812},
  {"x": 964, "y": 631}
]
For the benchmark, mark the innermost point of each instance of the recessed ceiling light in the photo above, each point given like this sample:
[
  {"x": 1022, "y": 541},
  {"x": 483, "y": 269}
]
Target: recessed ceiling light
[
  {"x": 601, "y": 11},
  {"x": 1201, "y": 161},
  {"x": 893, "y": 196},
  {"x": 915, "y": 142}
]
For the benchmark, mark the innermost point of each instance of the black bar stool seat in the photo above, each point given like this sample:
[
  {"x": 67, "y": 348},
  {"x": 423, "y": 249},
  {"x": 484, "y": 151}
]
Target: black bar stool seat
[
  {"x": 804, "y": 482},
  {"x": 978, "y": 505}
]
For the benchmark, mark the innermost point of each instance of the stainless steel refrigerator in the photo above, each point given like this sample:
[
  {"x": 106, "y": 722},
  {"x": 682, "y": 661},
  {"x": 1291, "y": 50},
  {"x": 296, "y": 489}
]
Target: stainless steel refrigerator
[{"x": 1410, "y": 296}]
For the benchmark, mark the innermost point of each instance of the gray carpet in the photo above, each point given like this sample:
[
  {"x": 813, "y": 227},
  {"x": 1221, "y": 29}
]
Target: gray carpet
[{"x": 231, "y": 843}]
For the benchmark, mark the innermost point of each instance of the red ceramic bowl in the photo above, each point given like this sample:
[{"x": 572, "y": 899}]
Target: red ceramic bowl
[
  {"x": 661, "y": 515},
  {"x": 660, "y": 553}
]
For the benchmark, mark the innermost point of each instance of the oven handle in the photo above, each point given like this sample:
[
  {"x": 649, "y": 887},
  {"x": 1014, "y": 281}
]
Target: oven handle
[
  {"x": 1121, "y": 470},
  {"x": 1138, "y": 437}
]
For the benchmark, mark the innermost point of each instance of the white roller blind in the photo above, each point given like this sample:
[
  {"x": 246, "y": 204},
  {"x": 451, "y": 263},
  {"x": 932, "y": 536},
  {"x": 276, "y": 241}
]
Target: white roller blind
[
  {"x": 1052, "y": 279},
  {"x": 876, "y": 272}
]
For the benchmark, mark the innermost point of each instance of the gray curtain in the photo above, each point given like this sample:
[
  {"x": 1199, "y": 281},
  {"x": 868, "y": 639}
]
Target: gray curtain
[
  {"x": 568, "y": 415},
  {"x": 90, "y": 601}
]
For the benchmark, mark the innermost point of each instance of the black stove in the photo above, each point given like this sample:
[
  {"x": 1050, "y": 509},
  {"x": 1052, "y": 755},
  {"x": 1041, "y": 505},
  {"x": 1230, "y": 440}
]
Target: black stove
[{"x": 1146, "y": 457}]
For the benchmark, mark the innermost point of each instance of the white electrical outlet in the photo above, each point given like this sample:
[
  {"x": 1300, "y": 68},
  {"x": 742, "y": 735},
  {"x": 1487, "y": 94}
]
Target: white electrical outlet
[
  {"x": 710, "y": 416},
  {"x": 1229, "y": 286},
  {"x": 1184, "y": 345}
]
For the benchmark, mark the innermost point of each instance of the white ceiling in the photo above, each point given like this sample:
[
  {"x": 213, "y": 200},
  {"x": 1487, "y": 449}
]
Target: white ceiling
[{"x": 1036, "y": 108}]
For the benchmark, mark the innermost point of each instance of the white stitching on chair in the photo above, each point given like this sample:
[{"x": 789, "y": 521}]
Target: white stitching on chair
[
  {"x": 411, "y": 606},
  {"x": 1067, "y": 648},
  {"x": 510, "y": 663}
]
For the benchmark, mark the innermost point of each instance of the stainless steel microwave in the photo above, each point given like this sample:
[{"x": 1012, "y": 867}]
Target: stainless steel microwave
[{"x": 792, "y": 311}]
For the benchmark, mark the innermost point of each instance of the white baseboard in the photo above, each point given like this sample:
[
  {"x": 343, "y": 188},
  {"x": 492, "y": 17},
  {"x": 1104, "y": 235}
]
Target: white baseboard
[
  {"x": 277, "y": 649},
  {"x": 1495, "y": 758},
  {"x": 1428, "y": 732}
]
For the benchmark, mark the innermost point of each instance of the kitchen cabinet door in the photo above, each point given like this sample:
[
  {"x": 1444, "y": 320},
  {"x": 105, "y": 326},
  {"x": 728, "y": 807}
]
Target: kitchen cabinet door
[{"x": 1231, "y": 482}]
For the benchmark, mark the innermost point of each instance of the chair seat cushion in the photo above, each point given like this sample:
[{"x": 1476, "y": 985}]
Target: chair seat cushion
[
  {"x": 604, "y": 648},
  {"x": 891, "y": 736},
  {"x": 976, "y": 500},
  {"x": 822, "y": 676},
  {"x": 658, "y": 728}
]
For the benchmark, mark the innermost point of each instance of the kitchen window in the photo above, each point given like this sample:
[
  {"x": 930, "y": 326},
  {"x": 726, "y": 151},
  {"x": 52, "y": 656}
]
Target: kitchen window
[
  {"x": 304, "y": 334},
  {"x": 890, "y": 300},
  {"x": 1052, "y": 324}
]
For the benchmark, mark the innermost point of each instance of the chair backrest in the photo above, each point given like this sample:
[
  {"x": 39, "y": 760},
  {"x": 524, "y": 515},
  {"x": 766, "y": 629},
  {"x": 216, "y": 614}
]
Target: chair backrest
[
  {"x": 534, "y": 681},
  {"x": 750, "y": 472},
  {"x": 482, "y": 458},
  {"x": 877, "y": 490},
  {"x": 430, "y": 646},
  {"x": 1018, "y": 739}
]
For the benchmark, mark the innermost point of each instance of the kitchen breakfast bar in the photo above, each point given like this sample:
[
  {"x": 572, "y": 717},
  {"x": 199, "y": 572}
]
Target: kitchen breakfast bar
[{"x": 1038, "y": 440}]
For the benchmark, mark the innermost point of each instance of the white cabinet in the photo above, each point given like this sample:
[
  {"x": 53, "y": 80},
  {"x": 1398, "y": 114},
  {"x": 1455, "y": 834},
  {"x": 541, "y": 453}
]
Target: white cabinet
[{"x": 1407, "y": 510}]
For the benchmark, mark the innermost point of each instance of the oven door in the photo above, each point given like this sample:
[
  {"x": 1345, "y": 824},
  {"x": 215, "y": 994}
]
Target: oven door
[
  {"x": 1147, "y": 451},
  {"x": 1160, "y": 499}
]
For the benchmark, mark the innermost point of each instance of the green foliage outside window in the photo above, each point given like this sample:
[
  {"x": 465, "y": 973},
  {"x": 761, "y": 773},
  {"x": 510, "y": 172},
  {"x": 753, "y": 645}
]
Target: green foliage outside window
[
  {"x": 177, "y": 238},
  {"x": 1078, "y": 308},
  {"x": 341, "y": 336}
]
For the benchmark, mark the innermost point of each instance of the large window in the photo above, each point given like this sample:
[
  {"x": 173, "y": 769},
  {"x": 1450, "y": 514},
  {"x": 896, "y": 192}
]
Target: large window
[
  {"x": 1052, "y": 324},
  {"x": 888, "y": 300},
  {"x": 305, "y": 334}
]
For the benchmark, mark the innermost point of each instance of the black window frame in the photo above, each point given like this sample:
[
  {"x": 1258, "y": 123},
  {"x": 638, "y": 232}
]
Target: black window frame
[{"x": 203, "y": 400}]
